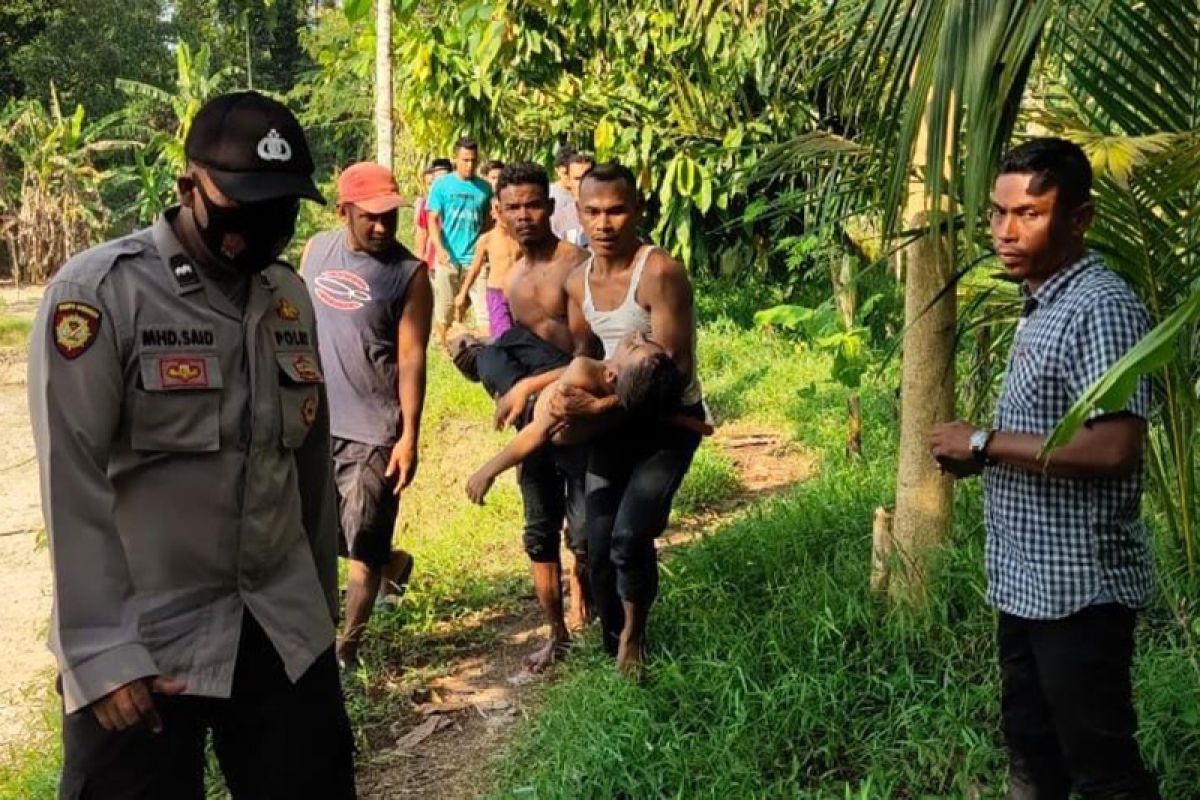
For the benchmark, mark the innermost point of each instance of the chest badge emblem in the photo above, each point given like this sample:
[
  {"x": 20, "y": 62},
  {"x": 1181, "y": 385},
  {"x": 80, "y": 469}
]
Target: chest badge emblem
[
  {"x": 306, "y": 368},
  {"x": 286, "y": 310},
  {"x": 180, "y": 373}
]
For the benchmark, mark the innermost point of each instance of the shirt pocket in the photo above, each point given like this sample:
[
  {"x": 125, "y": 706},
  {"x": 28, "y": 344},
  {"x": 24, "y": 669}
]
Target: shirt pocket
[
  {"x": 299, "y": 396},
  {"x": 178, "y": 407},
  {"x": 1023, "y": 384}
]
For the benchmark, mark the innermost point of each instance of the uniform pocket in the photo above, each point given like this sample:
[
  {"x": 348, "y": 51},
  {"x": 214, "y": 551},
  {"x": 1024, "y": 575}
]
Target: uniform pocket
[
  {"x": 178, "y": 407},
  {"x": 299, "y": 396}
]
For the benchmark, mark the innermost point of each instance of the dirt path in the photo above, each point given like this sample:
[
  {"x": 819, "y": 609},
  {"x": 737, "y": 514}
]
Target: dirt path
[
  {"x": 24, "y": 562},
  {"x": 440, "y": 747}
]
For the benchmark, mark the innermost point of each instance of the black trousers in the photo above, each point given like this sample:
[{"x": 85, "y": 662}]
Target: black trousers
[
  {"x": 632, "y": 478},
  {"x": 1067, "y": 706},
  {"x": 517, "y": 354},
  {"x": 274, "y": 740},
  {"x": 552, "y": 491}
]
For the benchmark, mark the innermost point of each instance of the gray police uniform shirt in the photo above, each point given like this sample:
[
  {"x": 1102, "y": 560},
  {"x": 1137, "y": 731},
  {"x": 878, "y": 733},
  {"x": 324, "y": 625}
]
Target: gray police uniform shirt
[
  {"x": 358, "y": 300},
  {"x": 183, "y": 450}
]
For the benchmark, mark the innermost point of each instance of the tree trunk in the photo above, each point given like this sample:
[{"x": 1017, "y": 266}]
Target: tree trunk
[
  {"x": 924, "y": 496},
  {"x": 383, "y": 82},
  {"x": 845, "y": 292}
]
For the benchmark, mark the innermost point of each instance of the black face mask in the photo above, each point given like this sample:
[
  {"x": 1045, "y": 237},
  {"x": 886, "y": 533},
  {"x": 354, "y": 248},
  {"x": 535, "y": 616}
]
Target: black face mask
[{"x": 265, "y": 227}]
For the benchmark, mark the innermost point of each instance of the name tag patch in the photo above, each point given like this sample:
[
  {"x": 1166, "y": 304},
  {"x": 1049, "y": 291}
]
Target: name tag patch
[
  {"x": 292, "y": 337},
  {"x": 177, "y": 336}
]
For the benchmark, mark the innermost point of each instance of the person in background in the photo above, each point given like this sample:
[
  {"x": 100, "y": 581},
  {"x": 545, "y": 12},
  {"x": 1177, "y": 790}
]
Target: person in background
[
  {"x": 564, "y": 217},
  {"x": 579, "y": 165},
  {"x": 459, "y": 206},
  {"x": 491, "y": 173},
  {"x": 494, "y": 256},
  {"x": 182, "y": 432},
  {"x": 373, "y": 304},
  {"x": 422, "y": 244},
  {"x": 1068, "y": 559}
]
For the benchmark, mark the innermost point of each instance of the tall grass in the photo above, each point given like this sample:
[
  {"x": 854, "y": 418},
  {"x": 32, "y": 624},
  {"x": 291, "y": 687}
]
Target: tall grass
[{"x": 777, "y": 674}]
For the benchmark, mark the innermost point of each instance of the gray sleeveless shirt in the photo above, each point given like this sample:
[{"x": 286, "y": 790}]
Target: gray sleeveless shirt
[{"x": 358, "y": 300}]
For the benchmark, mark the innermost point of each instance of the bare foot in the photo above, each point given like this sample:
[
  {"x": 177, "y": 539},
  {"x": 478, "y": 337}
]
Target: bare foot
[
  {"x": 631, "y": 658},
  {"x": 578, "y": 617},
  {"x": 553, "y": 651}
]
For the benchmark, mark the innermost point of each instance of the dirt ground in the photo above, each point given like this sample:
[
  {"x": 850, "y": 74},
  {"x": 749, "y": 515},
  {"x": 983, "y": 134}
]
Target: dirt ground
[{"x": 24, "y": 562}]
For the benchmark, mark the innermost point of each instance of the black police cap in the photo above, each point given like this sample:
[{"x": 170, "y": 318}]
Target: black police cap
[{"x": 253, "y": 148}]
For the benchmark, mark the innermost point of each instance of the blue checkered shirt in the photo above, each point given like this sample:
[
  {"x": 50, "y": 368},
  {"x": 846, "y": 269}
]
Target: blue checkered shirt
[{"x": 1056, "y": 545}]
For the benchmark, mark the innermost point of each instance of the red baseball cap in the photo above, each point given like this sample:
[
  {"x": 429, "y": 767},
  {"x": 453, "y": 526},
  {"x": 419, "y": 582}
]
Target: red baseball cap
[{"x": 369, "y": 186}]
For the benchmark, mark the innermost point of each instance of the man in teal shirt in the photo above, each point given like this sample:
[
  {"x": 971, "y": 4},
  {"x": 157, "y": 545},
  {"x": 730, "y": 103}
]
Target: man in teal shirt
[{"x": 458, "y": 208}]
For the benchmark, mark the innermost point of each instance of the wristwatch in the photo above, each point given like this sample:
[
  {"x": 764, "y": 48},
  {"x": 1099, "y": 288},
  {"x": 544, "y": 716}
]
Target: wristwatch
[{"x": 979, "y": 442}]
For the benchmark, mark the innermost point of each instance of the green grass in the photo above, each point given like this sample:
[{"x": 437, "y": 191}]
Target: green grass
[
  {"x": 14, "y": 331},
  {"x": 777, "y": 674}
]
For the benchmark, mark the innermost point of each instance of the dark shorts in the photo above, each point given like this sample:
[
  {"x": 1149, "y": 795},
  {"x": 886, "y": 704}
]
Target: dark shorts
[
  {"x": 367, "y": 508},
  {"x": 272, "y": 738}
]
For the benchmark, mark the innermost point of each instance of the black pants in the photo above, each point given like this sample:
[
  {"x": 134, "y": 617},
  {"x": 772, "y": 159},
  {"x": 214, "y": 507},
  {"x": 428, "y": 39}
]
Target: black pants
[
  {"x": 518, "y": 353},
  {"x": 1067, "y": 706},
  {"x": 632, "y": 478},
  {"x": 275, "y": 740},
  {"x": 552, "y": 490}
]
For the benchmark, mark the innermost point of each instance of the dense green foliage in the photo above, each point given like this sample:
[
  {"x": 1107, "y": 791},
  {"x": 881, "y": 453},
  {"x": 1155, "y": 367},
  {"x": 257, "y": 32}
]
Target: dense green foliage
[{"x": 778, "y": 674}]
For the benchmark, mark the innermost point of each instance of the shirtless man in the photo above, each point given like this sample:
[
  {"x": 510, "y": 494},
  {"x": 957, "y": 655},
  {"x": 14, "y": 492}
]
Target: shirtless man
[
  {"x": 497, "y": 250},
  {"x": 551, "y": 480}
]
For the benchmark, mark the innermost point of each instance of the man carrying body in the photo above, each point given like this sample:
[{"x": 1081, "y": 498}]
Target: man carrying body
[
  {"x": 422, "y": 244},
  {"x": 1068, "y": 559},
  {"x": 373, "y": 304},
  {"x": 183, "y": 441},
  {"x": 628, "y": 286},
  {"x": 458, "y": 211},
  {"x": 551, "y": 480}
]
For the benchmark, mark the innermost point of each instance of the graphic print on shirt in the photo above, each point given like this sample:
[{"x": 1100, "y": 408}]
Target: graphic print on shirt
[{"x": 341, "y": 290}]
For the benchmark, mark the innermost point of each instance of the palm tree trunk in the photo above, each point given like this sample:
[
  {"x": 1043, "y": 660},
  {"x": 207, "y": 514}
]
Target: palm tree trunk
[
  {"x": 924, "y": 496},
  {"x": 383, "y": 82},
  {"x": 846, "y": 294}
]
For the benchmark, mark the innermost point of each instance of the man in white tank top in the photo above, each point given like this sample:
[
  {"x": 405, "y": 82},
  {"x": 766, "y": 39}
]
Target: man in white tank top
[{"x": 634, "y": 473}]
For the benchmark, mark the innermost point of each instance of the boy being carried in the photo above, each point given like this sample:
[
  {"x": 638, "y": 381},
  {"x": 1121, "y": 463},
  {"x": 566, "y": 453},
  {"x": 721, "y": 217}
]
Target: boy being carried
[{"x": 640, "y": 380}]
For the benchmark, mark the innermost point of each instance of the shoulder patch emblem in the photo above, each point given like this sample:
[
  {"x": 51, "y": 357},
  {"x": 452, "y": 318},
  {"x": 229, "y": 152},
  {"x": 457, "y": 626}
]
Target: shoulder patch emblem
[
  {"x": 76, "y": 326},
  {"x": 287, "y": 311}
]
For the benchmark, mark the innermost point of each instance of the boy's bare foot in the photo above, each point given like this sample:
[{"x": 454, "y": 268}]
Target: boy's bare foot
[{"x": 631, "y": 658}]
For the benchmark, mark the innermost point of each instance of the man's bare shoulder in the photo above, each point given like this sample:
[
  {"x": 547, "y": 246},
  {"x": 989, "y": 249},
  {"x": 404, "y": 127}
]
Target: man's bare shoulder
[
  {"x": 574, "y": 281},
  {"x": 569, "y": 255},
  {"x": 661, "y": 265}
]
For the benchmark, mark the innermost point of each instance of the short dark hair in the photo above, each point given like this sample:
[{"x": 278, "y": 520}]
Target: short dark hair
[
  {"x": 466, "y": 143},
  {"x": 583, "y": 158},
  {"x": 491, "y": 164},
  {"x": 523, "y": 173},
  {"x": 612, "y": 172},
  {"x": 562, "y": 156},
  {"x": 441, "y": 163},
  {"x": 1056, "y": 164},
  {"x": 651, "y": 387}
]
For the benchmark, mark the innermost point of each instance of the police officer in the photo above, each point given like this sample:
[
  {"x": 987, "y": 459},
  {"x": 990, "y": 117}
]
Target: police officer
[{"x": 183, "y": 442}]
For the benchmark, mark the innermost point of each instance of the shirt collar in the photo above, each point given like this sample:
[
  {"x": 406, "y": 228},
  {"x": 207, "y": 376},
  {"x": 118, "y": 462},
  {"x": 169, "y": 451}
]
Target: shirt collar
[{"x": 1058, "y": 282}]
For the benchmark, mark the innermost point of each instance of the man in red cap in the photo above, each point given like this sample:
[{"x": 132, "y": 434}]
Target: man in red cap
[{"x": 374, "y": 305}]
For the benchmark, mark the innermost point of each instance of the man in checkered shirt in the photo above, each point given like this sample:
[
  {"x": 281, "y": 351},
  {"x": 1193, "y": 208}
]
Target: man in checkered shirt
[{"x": 1068, "y": 561}]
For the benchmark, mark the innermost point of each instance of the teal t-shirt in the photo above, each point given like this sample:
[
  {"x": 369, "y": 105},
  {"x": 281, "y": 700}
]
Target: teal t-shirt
[{"x": 463, "y": 207}]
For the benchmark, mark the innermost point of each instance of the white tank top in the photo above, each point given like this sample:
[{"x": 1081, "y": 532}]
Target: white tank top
[{"x": 609, "y": 326}]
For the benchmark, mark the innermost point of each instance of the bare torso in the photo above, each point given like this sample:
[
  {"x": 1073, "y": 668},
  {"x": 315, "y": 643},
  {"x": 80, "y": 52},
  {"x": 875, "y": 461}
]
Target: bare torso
[
  {"x": 502, "y": 251},
  {"x": 537, "y": 295}
]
